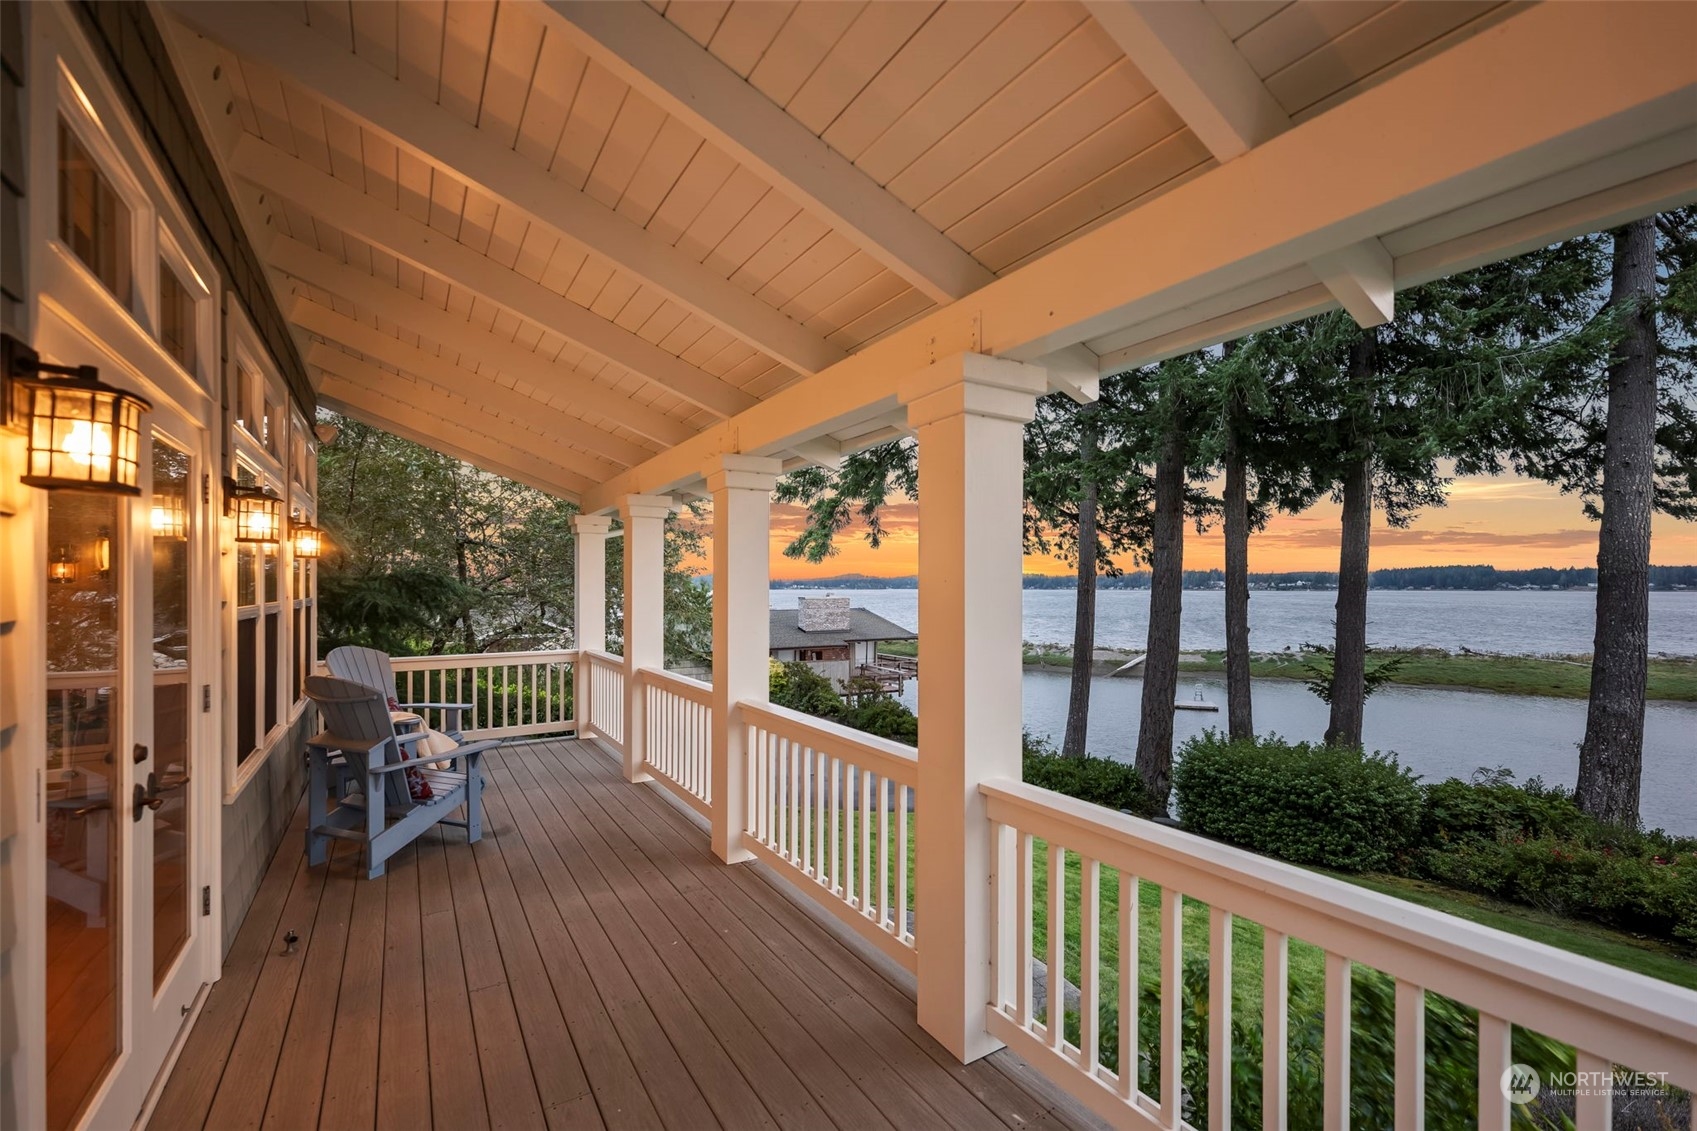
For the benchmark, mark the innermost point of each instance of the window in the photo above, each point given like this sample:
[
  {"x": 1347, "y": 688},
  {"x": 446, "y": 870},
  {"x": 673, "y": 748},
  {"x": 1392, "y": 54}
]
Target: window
[
  {"x": 259, "y": 640},
  {"x": 176, "y": 317},
  {"x": 94, "y": 221},
  {"x": 247, "y": 399},
  {"x": 305, "y": 594}
]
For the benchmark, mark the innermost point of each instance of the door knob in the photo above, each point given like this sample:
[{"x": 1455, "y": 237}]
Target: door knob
[{"x": 147, "y": 797}]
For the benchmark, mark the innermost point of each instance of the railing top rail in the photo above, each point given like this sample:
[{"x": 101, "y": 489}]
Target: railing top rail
[
  {"x": 688, "y": 687},
  {"x": 1607, "y": 1010},
  {"x": 894, "y": 759},
  {"x": 483, "y": 659},
  {"x": 605, "y": 658}
]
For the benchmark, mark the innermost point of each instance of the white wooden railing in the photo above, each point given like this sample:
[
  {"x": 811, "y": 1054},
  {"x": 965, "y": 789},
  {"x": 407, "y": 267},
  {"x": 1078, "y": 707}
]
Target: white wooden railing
[
  {"x": 1612, "y": 1017},
  {"x": 828, "y": 807},
  {"x": 603, "y": 716},
  {"x": 678, "y": 735},
  {"x": 512, "y": 694}
]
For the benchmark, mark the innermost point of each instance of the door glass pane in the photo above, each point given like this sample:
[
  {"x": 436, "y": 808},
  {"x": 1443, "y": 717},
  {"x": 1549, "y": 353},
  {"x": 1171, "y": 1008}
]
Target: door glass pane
[
  {"x": 83, "y": 713},
  {"x": 171, "y": 718}
]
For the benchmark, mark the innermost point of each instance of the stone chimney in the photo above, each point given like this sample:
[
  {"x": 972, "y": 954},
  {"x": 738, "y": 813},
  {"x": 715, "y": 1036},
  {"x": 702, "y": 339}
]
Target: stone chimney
[{"x": 822, "y": 614}]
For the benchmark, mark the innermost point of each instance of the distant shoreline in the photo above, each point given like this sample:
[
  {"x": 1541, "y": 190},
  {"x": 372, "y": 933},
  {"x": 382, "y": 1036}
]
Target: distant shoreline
[{"x": 1459, "y": 578}]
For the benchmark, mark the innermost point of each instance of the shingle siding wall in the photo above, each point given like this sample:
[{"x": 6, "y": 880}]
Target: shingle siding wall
[
  {"x": 254, "y": 823},
  {"x": 14, "y": 287},
  {"x": 134, "y": 54}
]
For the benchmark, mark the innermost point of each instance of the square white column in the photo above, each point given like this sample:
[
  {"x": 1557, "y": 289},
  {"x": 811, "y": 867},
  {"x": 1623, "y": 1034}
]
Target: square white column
[
  {"x": 645, "y": 612},
  {"x": 742, "y": 578},
  {"x": 969, "y": 412},
  {"x": 589, "y": 601}
]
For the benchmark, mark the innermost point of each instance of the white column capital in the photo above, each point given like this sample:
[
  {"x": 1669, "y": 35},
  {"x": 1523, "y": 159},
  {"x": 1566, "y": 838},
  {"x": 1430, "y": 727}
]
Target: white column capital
[
  {"x": 976, "y": 385},
  {"x": 646, "y": 506},
  {"x": 733, "y": 471},
  {"x": 591, "y": 524}
]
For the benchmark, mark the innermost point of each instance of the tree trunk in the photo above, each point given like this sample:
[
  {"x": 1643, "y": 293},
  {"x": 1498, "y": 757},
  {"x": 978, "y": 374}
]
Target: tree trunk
[
  {"x": 1612, "y": 753},
  {"x": 1166, "y": 597},
  {"x": 1349, "y": 649},
  {"x": 1240, "y": 715},
  {"x": 1084, "y": 616}
]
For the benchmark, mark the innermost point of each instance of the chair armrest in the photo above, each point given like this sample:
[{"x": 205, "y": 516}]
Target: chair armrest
[
  {"x": 438, "y": 706},
  {"x": 327, "y": 741},
  {"x": 470, "y": 750}
]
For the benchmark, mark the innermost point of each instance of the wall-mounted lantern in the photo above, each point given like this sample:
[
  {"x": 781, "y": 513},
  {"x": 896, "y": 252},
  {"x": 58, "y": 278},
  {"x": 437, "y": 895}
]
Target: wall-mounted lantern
[
  {"x": 83, "y": 435},
  {"x": 170, "y": 517},
  {"x": 308, "y": 539},
  {"x": 62, "y": 569},
  {"x": 259, "y": 513}
]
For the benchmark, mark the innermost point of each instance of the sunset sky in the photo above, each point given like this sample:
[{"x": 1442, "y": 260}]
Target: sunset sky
[{"x": 1501, "y": 521}]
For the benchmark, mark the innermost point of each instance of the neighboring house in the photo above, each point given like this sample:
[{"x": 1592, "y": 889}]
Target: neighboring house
[{"x": 830, "y": 637}]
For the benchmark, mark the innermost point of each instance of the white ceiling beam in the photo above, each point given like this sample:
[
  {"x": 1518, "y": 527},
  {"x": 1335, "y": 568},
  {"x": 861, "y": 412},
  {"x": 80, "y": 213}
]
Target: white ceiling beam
[
  {"x": 585, "y": 395},
  {"x": 406, "y": 421},
  {"x": 1188, "y": 57},
  {"x": 821, "y": 450},
  {"x": 1075, "y": 371},
  {"x": 310, "y": 62},
  {"x": 1567, "y": 84},
  {"x": 578, "y": 469},
  {"x": 659, "y": 59},
  {"x": 1185, "y": 54},
  {"x": 478, "y": 388},
  {"x": 347, "y": 208}
]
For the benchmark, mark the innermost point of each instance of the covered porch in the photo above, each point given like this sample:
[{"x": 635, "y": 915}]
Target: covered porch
[{"x": 729, "y": 244}]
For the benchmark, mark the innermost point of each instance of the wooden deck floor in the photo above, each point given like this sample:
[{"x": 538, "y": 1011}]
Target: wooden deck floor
[{"x": 587, "y": 964}]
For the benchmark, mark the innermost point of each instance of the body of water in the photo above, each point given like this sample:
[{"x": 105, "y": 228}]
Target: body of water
[
  {"x": 1438, "y": 732},
  {"x": 1514, "y": 621}
]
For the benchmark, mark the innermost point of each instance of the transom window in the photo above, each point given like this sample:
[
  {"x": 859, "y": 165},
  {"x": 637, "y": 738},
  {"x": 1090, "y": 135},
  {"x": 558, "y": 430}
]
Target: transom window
[
  {"x": 94, "y": 221},
  {"x": 176, "y": 317}
]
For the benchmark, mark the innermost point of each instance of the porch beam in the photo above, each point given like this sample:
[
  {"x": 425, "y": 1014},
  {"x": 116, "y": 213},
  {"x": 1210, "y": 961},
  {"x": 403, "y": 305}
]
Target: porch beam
[
  {"x": 1182, "y": 50},
  {"x": 347, "y": 208},
  {"x": 969, "y": 412},
  {"x": 742, "y": 589},
  {"x": 659, "y": 59},
  {"x": 478, "y": 388},
  {"x": 479, "y": 450},
  {"x": 578, "y": 470},
  {"x": 311, "y": 266},
  {"x": 308, "y": 61},
  {"x": 1610, "y": 79},
  {"x": 644, "y": 518}
]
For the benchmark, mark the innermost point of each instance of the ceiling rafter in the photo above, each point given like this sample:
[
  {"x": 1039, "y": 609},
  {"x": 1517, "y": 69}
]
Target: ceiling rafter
[
  {"x": 311, "y": 266},
  {"x": 488, "y": 453},
  {"x": 479, "y": 388},
  {"x": 1182, "y": 50},
  {"x": 456, "y": 412},
  {"x": 659, "y": 59},
  {"x": 348, "y": 209},
  {"x": 312, "y": 63}
]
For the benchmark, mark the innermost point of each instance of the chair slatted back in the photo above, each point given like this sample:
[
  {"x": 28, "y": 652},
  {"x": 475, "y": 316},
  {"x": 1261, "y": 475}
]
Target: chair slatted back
[
  {"x": 356, "y": 711},
  {"x": 365, "y": 666}
]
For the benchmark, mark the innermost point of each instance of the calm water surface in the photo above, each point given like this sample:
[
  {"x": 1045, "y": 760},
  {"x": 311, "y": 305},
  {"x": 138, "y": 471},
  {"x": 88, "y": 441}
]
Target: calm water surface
[
  {"x": 1439, "y": 732},
  {"x": 1517, "y": 622}
]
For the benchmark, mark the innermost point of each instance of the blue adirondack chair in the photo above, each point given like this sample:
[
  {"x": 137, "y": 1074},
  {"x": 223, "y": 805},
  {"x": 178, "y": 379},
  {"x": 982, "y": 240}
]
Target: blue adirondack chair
[
  {"x": 372, "y": 668},
  {"x": 360, "y": 751}
]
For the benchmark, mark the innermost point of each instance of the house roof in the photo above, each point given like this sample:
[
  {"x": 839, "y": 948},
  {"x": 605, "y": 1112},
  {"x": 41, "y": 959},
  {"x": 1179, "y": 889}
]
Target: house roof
[{"x": 863, "y": 625}]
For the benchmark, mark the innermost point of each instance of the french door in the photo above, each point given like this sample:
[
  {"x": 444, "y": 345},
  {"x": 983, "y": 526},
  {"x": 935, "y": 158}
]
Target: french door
[{"x": 129, "y": 642}]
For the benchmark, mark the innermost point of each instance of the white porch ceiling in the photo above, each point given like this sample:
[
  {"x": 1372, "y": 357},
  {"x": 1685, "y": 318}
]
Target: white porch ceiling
[{"x": 562, "y": 239}]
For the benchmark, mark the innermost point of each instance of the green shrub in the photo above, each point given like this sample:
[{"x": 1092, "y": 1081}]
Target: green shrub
[
  {"x": 800, "y": 688},
  {"x": 1317, "y": 805},
  {"x": 884, "y": 715},
  {"x": 1097, "y": 780}
]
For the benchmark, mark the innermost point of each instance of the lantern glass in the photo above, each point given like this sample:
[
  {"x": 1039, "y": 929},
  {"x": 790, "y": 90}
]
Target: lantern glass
[
  {"x": 259, "y": 516},
  {"x": 62, "y": 570},
  {"x": 83, "y": 434},
  {"x": 170, "y": 517},
  {"x": 308, "y": 539}
]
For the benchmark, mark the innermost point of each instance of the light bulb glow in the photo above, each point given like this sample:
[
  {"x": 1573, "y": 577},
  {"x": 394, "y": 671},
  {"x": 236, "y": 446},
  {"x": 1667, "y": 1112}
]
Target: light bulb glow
[{"x": 89, "y": 444}]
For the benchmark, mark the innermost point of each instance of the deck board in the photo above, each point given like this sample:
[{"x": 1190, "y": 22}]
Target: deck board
[{"x": 587, "y": 964}]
